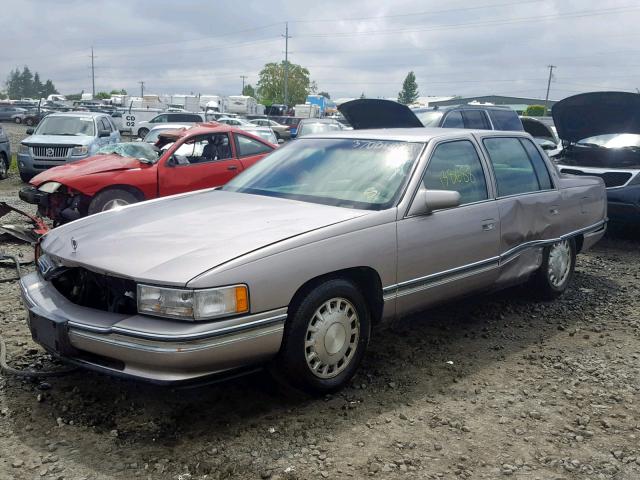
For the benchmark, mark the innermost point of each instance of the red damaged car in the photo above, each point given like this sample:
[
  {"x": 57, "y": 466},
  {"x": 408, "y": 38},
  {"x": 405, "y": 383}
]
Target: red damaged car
[{"x": 207, "y": 155}]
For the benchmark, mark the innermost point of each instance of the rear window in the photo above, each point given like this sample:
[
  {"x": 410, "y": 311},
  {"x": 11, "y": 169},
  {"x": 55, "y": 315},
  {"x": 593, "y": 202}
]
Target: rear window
[
  {"x": 476, "y": 119},
  {"x": 506, "y": 120}
]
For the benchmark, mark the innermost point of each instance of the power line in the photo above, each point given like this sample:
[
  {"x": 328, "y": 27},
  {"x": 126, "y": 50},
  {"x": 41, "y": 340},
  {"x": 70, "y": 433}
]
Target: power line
[
  {"x": 580, "y": 14},
  {"x": 415, "y": 14}
]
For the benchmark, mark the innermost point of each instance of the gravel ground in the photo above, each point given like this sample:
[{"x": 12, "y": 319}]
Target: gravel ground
[{"x": 488, "y": 387}]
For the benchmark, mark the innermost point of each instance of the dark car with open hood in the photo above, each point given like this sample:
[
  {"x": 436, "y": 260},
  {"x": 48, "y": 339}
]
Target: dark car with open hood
[{"x": 600, "y": 133}]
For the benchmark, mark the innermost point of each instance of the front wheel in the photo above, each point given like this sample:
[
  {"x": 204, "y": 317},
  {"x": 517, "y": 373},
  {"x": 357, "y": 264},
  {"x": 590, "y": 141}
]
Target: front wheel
[
  {"x": 110, "y": 199},
  {"x": 555, "y": 273},
  {"x": 18, "y": 120},
  {"x": 4, "y": 166},
  {"x": 143, "y": 132},
  {"x": 325, "y": 338}
]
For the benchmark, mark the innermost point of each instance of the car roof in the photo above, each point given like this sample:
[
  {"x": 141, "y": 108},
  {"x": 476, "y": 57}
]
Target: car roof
[
  {"x": 169, "y": 126},
  {"x": 78, "y": 114},
  {"x": 419, "y": 134}
]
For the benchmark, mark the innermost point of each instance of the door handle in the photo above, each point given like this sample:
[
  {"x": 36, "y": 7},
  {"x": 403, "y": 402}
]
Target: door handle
[
  {"x": 487, "y": 227},
  {"x": 232, "y": 167}
]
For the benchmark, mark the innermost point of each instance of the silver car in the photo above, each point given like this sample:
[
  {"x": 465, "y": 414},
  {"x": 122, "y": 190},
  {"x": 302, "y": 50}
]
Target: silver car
[{"x": 294, "y": 261}]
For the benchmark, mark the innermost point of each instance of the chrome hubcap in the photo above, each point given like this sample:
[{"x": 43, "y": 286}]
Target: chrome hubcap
[
  {"x": 559, "y": 263},
  {"x": 115, "y": 203},
  {"x": 332, "y": 338}
]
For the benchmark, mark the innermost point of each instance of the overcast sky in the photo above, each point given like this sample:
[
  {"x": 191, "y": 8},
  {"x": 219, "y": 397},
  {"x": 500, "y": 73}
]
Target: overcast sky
[{"x": 459, "y": 47}]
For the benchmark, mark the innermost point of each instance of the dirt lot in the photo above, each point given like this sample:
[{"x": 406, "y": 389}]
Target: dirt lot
[{"x": 485, "y": 388}]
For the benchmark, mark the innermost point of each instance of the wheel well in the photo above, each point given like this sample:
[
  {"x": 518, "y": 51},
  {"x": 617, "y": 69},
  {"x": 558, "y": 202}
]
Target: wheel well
[
  {"x": 128, "y": 188},
  {"x": 579, "y": 239},
  {"x": 365, "y": 278}
]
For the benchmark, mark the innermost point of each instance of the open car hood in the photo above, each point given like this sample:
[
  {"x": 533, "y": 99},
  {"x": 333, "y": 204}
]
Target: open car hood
[
  {"x": 373, "y": 113},
  {"x": 596, "y": 113},
  {"x": 88, "y": 166}
]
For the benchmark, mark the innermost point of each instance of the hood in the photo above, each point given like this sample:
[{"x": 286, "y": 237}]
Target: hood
[
  {"x": 372, "y": 113},
  {"x": 59, "y": 140},
  {"x": 87, "y": 166},
  {"x": 597, "y": 113},
  {"x": 174, "y": 239}
]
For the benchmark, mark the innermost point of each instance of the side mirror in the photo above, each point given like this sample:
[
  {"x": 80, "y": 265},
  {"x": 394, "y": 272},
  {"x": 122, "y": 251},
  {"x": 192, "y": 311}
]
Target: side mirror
[
  {"x": 171, "y": 162},
  {"x": 30, "y": 131},
  {"x": 426, "y": 201},
  {"x": 104, "y": 133}
]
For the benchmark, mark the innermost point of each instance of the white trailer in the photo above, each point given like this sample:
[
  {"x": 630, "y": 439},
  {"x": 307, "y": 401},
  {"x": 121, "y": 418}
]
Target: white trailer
[
  {"x": 307, "y": 110},
  {"x": 214, "y": 103},
  {"x": 243, "y": 105}
]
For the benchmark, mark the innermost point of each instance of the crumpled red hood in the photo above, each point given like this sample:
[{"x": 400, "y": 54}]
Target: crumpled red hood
[{"x": 88, "y": 166}]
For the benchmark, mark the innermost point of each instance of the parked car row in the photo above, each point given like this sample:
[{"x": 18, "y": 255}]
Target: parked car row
[{"x": 289, "y": 257}]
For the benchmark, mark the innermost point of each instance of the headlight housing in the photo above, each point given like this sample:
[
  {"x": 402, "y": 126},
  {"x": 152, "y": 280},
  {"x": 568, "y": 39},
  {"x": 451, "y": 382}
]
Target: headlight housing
[
  {"x": 49, "y": 187},
  {"x": 23, "y": 148},
  {"x": 79, "y": 150},
  {"x": 194, "y": 305}
]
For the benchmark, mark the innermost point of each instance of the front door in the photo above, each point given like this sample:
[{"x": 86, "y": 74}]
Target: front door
[
  {"x": 203, "y": 161},
  {"x": 453, "y": 251}
]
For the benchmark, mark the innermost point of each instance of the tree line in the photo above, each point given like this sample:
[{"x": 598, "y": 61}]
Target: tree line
[{"x": 24, "y": 84}]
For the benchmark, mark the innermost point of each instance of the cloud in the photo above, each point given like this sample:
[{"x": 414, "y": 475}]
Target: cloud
[{"x": 466, "y": 48}]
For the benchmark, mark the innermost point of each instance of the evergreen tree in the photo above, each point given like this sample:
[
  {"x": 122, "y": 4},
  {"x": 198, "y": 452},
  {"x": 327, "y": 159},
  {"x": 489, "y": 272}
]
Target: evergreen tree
[
  {"x": 37, "y": 86},
  {"x": 26, "y": 81},
  {"x": 49, "y": 89},
  {"x": 409, "y": 92}
]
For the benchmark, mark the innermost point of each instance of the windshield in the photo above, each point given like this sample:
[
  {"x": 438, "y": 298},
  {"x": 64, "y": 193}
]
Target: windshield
[
  {"x": 265, "y": 134},
  {"x": 429, "y": 118},
  {"x": 308, "y": 128},
  {"x": 139, "y": 150},
  {"x": 362, "y": 174},
  {"x": 612, "y": 140},
  {"x": 52, "y": 125}
]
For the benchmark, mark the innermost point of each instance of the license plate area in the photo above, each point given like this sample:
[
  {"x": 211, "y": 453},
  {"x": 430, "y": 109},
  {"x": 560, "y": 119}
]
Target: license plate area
[{"x": 50, "y": 334}]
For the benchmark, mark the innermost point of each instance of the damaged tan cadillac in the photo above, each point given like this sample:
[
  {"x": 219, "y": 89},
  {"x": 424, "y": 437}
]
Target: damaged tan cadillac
[{"x": 292, "y": 263}]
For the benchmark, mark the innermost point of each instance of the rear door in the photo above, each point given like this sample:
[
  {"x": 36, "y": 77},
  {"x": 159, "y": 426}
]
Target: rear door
[
  {"x": 454, "y": 251},
  {"x": 250, "y": 150},
  {"x": 528, "y": 201},
  {"x": 202, "y": 161}
]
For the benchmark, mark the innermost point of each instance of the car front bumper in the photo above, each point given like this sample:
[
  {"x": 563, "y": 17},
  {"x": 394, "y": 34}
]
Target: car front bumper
[
  {"x": 152, "y": 349},
  {"x": 624, "y": 204},
  {"x": 33, "y": 196}
]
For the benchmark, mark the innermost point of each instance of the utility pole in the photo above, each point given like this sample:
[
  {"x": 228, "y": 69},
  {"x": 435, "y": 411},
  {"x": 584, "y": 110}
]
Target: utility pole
[
  {"x": 93, "y": 76},
  {"x": 243, "y": 77},
  {"x": 286, "y": 64},
  {"x": 546, "y": 99},
  {"x": 141, "y": 89}
]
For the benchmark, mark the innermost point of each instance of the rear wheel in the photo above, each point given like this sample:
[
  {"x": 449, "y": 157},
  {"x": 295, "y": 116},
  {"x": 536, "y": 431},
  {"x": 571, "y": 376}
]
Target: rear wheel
[
  {"x": 325, "y": 338},
  {"x": 29, "y": 122},
  {"x": 143, "y": 132},
  {"x": 555, "y": 273},
  {"x": 110, "y": 199},
  {"x": 18, "y": 120}
]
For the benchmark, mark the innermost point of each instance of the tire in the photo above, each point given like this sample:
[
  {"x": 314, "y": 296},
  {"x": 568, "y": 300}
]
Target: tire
[
  {"x": 18, "y": 120},
  {"x": 26, "y": 177},
  {"x": 29, "y": 122},
  {"x": 555, "y": 274},
  {"x": 143, "y": 132},
  {"x": 325, "y": 338},
  {"x": 112, "y": 198},
  {"x": 4, "y": 166}
]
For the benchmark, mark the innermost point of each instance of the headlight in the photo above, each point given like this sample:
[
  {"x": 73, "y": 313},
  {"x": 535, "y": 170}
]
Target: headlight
[
  {"x": 80, "y": 150},
  {"x": 24, "y": 149},
  {"x": 49, "y": 187},
  {"x": 193, "y": 304}
]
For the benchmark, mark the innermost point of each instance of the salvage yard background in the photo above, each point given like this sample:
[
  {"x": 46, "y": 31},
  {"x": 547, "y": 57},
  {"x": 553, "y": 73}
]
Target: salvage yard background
[{"x": 484, "y": 388}]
